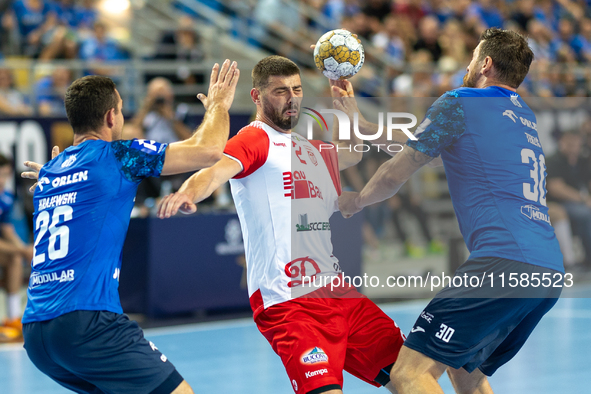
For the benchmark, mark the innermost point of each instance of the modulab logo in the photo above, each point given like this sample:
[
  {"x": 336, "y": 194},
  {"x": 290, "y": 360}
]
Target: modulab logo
[
  {"x": 532, "y": 212},
  {"x": 345, "y": 129},
  {"x": 317, "y": 355}
]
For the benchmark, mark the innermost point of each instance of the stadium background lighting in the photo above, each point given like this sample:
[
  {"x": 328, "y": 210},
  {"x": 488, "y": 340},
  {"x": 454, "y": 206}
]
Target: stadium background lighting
[{"x": 114, "y": 6}]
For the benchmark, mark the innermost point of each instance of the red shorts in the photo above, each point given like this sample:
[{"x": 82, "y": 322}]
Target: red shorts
[{"x": 317, "y": 338}]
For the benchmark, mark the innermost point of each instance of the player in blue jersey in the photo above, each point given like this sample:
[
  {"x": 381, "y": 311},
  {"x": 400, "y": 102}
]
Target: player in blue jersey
[
  {"x": 13, "y": 252},
  {"x": 74, "y": 328},
  {"x": 486, "y": 136}
]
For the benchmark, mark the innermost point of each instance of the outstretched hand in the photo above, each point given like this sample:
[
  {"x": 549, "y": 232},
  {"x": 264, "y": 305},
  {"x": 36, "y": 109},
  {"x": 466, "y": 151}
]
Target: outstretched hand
[
  {"x": 36, "y": 167},
  {"x": 344, "y": 98},
  {"x": 222, "y": 85},
  {"x": 173, "y": 203}
]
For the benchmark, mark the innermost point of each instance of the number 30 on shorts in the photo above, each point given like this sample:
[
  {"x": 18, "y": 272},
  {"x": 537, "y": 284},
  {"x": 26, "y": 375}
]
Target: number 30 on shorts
[{"x": 445, "y": 333}]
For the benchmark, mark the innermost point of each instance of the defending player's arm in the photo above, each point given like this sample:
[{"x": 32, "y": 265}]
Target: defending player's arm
[
  {"x": 443, "y": 126},
  {"x": 198, "y": 187},
  {"x": 244, "y": 154},
  {"x": 206, "y": 146}
]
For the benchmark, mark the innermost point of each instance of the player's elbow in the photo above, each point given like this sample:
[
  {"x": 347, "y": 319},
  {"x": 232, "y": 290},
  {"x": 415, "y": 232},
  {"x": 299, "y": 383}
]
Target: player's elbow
[{"x": 211, "y": 156}]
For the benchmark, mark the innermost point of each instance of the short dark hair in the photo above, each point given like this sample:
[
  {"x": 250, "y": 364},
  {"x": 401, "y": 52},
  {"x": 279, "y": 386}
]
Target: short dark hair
[
  {"x": 272, "y": 66},
  {"x": 510, "y": 53},
  {"x": 87, "y": 101},
  {"x": 5, "y": 161}
]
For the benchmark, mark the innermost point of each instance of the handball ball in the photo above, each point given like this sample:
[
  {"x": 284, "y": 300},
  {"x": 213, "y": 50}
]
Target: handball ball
[{"x": 339, "y": 54}]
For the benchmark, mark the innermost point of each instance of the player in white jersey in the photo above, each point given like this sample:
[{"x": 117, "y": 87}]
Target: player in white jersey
[{"x": 283, "y": 185}]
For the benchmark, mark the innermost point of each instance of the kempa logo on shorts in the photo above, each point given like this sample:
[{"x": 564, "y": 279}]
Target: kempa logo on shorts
[
  {"x": 315, "y": 226},
  {"x": 38, "y": 279},
  {"x": 316, "y": 373},
  {"x": 317, "y": 355}
]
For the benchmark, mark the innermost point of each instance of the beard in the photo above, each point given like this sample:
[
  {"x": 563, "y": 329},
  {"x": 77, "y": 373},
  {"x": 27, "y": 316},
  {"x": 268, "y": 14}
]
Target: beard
[
  {"x": 469, "y": 80},
  {"x": 280, "y": 120}
]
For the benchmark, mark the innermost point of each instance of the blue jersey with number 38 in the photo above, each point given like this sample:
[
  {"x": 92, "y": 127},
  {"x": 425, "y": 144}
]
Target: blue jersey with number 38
[
  {"x": 82, "y": 210},
  {"x": 496, "y": 172}
]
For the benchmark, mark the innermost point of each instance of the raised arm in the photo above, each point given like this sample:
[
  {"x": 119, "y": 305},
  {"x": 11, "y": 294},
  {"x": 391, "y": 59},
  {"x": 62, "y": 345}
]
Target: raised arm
[
  {"x": 348, "y": 104},
  {"x": 344, "y": 100},
  {"x": 443, "y": 126},
  {"x": 198, "y": 187},
  {"x": 206, "y": 146}
]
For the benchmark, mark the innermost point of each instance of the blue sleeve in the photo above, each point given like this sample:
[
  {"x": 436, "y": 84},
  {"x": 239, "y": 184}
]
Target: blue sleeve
[
  {"x": 140, "y": 159},
  {"x": 443, "y": 125},
  {"x": 6, "y": 210}
]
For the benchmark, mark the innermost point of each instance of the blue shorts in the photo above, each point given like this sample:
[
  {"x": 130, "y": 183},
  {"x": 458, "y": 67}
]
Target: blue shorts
[
  {"x": 99, "y": 352},
  {"x": 462, "y": 329}
]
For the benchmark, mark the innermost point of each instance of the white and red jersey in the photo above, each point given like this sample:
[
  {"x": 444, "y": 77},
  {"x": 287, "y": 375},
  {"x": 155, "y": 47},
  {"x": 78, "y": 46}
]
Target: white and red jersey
[{"x": 284, "y": 196}]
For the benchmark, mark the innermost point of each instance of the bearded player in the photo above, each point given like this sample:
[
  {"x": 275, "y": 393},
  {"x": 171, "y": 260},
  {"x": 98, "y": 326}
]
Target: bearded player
[
  {"x": 487, "y": 139},
  {"x": 279, "y": 179}
]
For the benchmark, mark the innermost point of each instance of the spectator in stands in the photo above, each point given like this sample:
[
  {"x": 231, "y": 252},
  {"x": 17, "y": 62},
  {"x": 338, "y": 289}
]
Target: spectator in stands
[
  {"x": 377, "y": 9},
  {"x": 429, "y": 37},
  {"x": 159, "y": 120},
  {"x": 64, "y": 37},
  {"x": 100, "y": 48},
  {"x": 539, "y": 40},
  {"x": 158, "y": 117},
  {"x": 272, "y": 17},
  {"x": 453, "y": 42},
  {"x": 523, "y": 13},
  {"x": 51, "y": 91},
  {"x": 487, "y": 13},
  {"x": 569, "y": 182},
  {"x": 389, "y": 42},
  {"x": 183, "y": 45},
  {"x": 12, "y": 102},
  {"x": 13, "y": 253},
  {"x": 86, "y": 17},
  {"x": 5, "y": 22},
  {"x": 414, "y": 10},
  {"x": 66, "y": 13},
  {"x": 37, "y": 25},
  {"x": 567, "y": 40}
]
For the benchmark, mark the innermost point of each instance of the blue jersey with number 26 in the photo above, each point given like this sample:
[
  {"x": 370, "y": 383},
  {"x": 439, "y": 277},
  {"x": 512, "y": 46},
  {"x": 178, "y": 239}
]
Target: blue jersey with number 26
[
  {"x": 496, "y": 172},
  {"x": 82, "y": 210}
]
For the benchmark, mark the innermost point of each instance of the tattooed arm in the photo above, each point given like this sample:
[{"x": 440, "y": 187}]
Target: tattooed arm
[{"x": 386, "y": 181}]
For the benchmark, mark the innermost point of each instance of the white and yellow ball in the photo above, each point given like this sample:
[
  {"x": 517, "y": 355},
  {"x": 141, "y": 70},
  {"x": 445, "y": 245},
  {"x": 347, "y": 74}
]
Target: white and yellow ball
[{"x": 339, "y": 54}]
